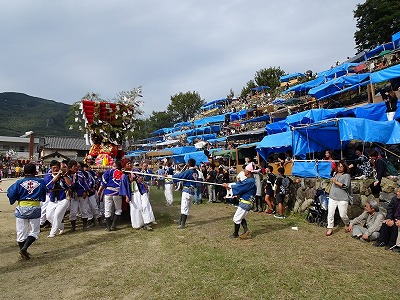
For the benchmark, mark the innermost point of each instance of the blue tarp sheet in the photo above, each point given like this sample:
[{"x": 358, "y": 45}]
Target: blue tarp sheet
[
  {"x": 218, "y": 140},
  {"x": 209, "y": 120},
  {"x": 198, "y": 156},
  {"x": 181, "y": 150},
  {"x": 311, "y": 116},
  {"x": 306, "y": 86},
  {"x": 385, "y": 74},
  {"x": 181, "y": 124},
  {"x": 339, "y": 85},
  {"x": 396, "y": 39},
  {"x": 163, "y": 131},
  {"x": 260, "y": 88},
  {"x": 213, "y": 103},
  {"x": 379, "y": 49},
  {"x": 280, "y": 142},
  {"x": 338, "y": 71},
  {"x": 277, "y": 127},
  {"x": 312, "y": 169},
  {"x": 203, "y": 137},
  {"x": 371, "y": 111},
  {"x": 286, "y": 78},
  {"x": 264, "y": 118},
  {"x": 334, "y": 134}
]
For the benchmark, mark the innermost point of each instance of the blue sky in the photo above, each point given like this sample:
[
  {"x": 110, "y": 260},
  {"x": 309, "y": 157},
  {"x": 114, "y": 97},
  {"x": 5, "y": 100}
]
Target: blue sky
[{"x": 60, "y": 50}]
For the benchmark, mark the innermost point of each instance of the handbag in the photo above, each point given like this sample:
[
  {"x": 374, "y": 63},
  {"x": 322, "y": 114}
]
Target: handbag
[{"x": 328, "y": 187}]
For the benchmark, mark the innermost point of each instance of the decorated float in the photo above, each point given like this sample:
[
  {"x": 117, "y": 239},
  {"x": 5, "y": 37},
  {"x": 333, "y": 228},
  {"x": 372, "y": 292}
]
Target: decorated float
[{"x": 107, "y": 125}]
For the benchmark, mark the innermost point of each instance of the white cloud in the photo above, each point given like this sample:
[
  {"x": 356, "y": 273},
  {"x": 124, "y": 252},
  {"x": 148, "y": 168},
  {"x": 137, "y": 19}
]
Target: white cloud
[{"x": 62, "y": 49}]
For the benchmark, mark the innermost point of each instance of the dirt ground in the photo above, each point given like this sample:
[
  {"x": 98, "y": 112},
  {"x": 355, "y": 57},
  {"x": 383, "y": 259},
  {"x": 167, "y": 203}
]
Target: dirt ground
[{"x": 199, "y": 262}]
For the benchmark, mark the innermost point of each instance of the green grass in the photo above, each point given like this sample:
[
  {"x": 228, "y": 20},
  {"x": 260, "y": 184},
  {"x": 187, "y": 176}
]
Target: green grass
[{"x": 199, "y": 262}]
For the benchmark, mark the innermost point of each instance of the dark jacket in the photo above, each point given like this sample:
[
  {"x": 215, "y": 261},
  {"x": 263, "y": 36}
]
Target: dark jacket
[{"x": 392, "y": 207}]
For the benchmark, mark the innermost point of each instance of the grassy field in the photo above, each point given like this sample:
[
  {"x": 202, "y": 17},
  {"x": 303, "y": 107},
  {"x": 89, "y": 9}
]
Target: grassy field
[{"x": 199, "y": 262}]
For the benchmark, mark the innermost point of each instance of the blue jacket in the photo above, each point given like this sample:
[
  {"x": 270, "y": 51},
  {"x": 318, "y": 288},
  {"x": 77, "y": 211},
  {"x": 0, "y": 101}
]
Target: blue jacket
[
  {"x": 28, "y": 188},
  {"x": 190, "y": 174}
]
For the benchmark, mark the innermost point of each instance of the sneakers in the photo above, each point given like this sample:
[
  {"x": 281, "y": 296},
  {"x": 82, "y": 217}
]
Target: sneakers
[
  {"x": 233, "y": 236},
  {"x": 51, "y": 235},
  {"x": 361, "y": 177},
  {"x": 270, "y": 211},
  {"x": 61, "y": 231},
  {"x": 279, "y": 216},
  {"x": 380, "y": 244}
]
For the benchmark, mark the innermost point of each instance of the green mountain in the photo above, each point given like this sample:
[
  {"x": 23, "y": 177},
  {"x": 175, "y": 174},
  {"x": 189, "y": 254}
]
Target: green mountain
[{"x": 21, "y": 113}]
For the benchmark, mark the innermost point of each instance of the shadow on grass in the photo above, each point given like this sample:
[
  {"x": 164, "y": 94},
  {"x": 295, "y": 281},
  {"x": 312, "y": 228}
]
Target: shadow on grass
[
  {"x": 265, "y": 229},
  {"x": 61, "y": 254}
]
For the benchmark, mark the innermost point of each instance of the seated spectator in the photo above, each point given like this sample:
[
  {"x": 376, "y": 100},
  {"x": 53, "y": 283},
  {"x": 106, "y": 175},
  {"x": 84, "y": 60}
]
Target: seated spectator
[
  {"x": 361, "y": 168},
  {"x": 367, "y": 225},
  {"x": 390, "y": 226}
]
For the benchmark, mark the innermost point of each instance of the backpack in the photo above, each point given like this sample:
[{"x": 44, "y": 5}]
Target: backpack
[
  {"x": 285, "y": 185},
  {"x": 390, "y": 168}
]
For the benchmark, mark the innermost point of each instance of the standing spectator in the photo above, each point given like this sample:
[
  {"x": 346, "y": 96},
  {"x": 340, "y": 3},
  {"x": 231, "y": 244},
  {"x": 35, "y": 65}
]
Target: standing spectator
[
  {"x": 380, "y": 170},
  {"x": 160, "y": 179},
  {"x": 281, "y": 189},
  {"x": 329, "y": 156},
  {"x": 198, "y": 190},
  {"x": 211, "y": 177},
  {"x": 269, "y": 191},
  {"x": 390, "y": 100},
  {"x": 29, "y": 192},
  {"x": 339, "y": 196}
]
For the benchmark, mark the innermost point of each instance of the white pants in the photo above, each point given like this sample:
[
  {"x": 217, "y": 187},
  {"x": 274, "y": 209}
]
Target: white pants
[
  {"x": 169, "y": 196},
  {"x": 186, "y": 201},
  {"x": 342, "y": 206},
  {"x": 390, "y": 115},
  {"x": 79, "y": 203},
  {"x": 147, "y": 210},
  {"x": 239, "y": 215},
  {"x": 43, "y": 206},
  {"x": 135, "y": 207},
  {"x": 94, "y": 210},
  {"x": 109, "y": 202},
  {"x": 55, "y": 214},
  {"x": 23, "y": 230}
]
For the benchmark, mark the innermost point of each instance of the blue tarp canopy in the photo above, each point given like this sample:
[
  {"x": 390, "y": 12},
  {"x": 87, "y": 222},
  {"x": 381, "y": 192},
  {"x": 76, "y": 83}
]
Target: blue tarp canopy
[
  {"x": 198, "y": 156},
  {"x": 209, "y": 120},
  {"x": 218, "y": 140},
  {"x": 277, "y": 127},
  {"x": 238, "y": 115},
  {"x": 203, "y": 137},
  {"x": 336, "y": 133},
  {"x": 264, "y": 118},
  {"x": 181, "y": 150},
  {"x": 311, "y": 116},
  {"x": 339, "y": 85},
  {"x": 371, "y": 111},
  {"x": 385, "y": 74},
  {"x": 338, "y": 71},
  {"x": 213, "y": 103},
  {"x": 278, "y": 101},
  {"x": 396, "y": 39},
  {"x": 312, "y": 169},
  {"x": 135, "y": 153},
  {"x": 163, "y": 131},
  {"x": 280, "y": 142},
  {"x": 286, "y": 78},
  {"x": 181, "y": 124},
  {"x": 260, "y": 88},
  {"x": 379, "y": 49},
  {"x": 306, "y": 86}
]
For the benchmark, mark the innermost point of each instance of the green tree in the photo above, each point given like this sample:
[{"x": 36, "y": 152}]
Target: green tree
[
  {"x": 184, "y": 106},
  {"x": 377, "y": 21},
  {"x": 247, "y": 89},
  {"x": 269, "y": 77},
  {"x": 231, "y": 94}
]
